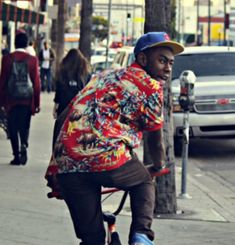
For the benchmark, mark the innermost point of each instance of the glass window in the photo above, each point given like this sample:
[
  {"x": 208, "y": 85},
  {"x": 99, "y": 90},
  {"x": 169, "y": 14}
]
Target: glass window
[{"x": 209, "y": 64}]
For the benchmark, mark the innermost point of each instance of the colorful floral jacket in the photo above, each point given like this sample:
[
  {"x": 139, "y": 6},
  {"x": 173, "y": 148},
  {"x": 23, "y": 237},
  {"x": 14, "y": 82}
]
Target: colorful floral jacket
[{"x": 106, "y": 120}]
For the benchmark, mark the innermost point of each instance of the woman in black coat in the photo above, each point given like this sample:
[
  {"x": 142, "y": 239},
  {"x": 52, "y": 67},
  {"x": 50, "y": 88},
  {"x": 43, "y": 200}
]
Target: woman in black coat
[{"x": 73, "y": 74}]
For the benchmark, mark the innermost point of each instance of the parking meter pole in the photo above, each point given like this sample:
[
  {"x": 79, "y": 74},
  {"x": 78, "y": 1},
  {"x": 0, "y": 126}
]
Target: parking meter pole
[
  {"x": 186, "y": 101},
  {"x": 183, "y": 193}
]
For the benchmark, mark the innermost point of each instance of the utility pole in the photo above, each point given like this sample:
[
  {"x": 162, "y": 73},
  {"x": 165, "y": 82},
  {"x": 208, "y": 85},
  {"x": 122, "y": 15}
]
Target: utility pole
[
  {"x": 179, "y": 20},
  {"x": 198, "y": 3},
  {"x": 133, "y": 25},
  {"x": 225, "y": 19},
  {"x": 209, "y": 22},
  {"x": 108, "y": 37}
]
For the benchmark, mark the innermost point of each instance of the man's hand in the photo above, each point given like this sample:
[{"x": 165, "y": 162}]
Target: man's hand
[
  {"x": 157, "y": 171},
  {"x": 37, "y": 109}
]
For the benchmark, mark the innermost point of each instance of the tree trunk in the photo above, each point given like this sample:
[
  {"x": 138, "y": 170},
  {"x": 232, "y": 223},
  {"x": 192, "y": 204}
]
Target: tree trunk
[
  {"x": 158, "y": 18},
  {"x": 58, "y": 31},
  {"x": 155, "y": 15},
  {"x": 61, "y": 21},
  {"x": 165, "y": 186},
  {"x": 86, "y": 28},
  {"x": 54, "y": 30}
]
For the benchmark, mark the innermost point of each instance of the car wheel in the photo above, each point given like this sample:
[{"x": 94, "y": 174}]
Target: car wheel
[{"x": 178, "y": 145}]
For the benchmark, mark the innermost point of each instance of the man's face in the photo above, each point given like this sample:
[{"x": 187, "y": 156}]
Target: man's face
[
  {"x": 45, "y": 45},
  {"x": 159, "y": 62}
]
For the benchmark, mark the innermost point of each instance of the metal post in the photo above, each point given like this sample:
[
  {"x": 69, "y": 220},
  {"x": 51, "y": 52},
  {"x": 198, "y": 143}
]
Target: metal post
[
  {"x": 133, "y": 26},
  {"x": 184, "y": 194},
  {"x": 186, "y": 101},
  {"x": 209, "y": 22},
  {"x": 127, "y": 30},
  {"x": 197, "y": 23},
  {"x": 179, "y": 20},
  {"x": 224, "y": 22},
  {"x": 108, "y": 37}
]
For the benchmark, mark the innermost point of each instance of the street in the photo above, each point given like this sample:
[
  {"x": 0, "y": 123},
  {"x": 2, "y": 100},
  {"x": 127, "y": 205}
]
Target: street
[
  {"x": 215, "y": 155},
  {"x": 28, "y": 217}
]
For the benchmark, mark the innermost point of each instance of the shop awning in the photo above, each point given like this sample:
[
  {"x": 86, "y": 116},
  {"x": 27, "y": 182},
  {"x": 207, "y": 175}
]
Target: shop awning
[{"x": 10, "y": 12}]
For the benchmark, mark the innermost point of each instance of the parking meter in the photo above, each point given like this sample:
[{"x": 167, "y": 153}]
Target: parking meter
[{"x": 186, "y": 98}]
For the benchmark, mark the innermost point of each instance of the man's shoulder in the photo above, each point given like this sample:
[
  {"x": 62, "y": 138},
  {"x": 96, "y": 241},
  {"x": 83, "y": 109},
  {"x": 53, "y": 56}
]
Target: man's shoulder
[{"x": 23, "y": 57}]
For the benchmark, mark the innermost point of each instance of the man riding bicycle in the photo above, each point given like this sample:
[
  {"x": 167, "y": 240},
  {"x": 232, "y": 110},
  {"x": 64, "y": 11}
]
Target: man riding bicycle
[{"x": 96, "y": 136}]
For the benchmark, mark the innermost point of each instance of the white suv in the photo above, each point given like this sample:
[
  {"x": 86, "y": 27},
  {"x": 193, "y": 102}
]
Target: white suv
[{"x": 213, "y": 114}]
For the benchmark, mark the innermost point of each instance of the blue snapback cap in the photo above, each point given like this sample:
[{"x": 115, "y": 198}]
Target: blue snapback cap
[{"x": 157, "y": 39}]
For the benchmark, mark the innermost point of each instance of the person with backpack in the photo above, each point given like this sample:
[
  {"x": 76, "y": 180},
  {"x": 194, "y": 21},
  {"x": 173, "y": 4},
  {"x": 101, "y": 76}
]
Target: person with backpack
[{"x": 20, "y": 95}]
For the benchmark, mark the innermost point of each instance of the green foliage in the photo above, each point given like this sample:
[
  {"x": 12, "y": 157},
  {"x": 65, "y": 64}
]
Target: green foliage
[{"x": 99, "y": 28}]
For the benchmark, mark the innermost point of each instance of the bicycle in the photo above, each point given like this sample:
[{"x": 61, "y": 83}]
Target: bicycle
[{"x": 110, "y": 217}]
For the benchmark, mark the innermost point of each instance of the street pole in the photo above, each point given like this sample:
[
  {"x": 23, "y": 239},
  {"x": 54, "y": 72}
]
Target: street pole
[
  {"x": 197, "y": 22},
  {"x": 184, "y": 194},
  {"x": 224, "y": 22},
  {"x": 179, "y": 20},
  {"x": 133, "y": 26},
  {"x": 108, "y": 37},
  {"x": 209, "y": 22},
  {"x": 186, "y": 101}
]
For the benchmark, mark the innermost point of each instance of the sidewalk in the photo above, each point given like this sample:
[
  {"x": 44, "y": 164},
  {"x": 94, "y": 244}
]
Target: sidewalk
[{"x": 28, "y": 217}]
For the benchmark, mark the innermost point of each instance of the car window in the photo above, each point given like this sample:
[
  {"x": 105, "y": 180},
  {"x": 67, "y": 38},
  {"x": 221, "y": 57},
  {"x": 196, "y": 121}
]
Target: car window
[{"x": 208, "y": 64}]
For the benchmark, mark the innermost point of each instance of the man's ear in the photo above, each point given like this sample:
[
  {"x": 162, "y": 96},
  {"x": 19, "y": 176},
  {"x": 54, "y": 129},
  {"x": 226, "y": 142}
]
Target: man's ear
[{"x": 141, "y": 59}]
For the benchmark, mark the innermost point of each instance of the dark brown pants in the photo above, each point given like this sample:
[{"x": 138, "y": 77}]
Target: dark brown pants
[{"x": 82, "y": 194}]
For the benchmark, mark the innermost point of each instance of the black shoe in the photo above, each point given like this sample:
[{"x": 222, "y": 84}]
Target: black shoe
[
  {"x": 23, "y": 155},
  {"x": 15, "y": 161}
]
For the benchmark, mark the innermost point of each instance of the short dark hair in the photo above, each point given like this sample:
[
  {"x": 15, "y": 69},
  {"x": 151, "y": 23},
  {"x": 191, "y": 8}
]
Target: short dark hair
[{"x": 21, "y": 40}]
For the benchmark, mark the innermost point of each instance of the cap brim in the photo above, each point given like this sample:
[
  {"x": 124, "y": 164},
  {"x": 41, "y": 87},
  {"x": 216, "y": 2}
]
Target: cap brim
[{"x": 175, "y": 46}]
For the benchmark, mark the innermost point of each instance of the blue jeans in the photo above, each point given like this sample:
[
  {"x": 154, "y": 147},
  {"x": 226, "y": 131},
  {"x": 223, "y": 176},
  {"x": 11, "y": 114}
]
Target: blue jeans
[
  {"x": 82, "y": 194},
  {"x": 46, "y": 79}
]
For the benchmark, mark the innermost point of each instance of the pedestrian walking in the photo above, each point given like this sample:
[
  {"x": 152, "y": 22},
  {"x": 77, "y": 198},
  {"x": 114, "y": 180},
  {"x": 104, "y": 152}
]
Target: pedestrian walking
[
  {"x": 74, "y": 72},
  {"x": 97, "y": 134},
  {"x": 19, "y": 95},
  {"x": 46, "y": 58},
  {"x": 30, "y": 49}
]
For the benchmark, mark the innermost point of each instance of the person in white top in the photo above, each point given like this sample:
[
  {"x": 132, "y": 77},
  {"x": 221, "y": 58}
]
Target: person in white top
[
  {"x": 30, "y": 49},
  {"x": 46, "y": 58}
]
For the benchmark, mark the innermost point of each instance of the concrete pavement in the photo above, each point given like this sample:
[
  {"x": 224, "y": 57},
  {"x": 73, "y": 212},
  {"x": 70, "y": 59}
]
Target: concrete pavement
[{"x": 28, "y": 217}]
